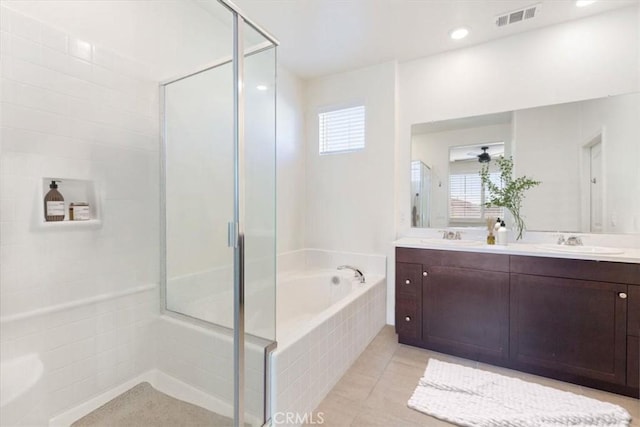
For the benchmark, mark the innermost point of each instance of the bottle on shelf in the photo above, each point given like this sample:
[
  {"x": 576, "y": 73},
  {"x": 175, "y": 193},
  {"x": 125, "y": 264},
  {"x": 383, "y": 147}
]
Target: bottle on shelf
[{"x": 53, "y": 204}]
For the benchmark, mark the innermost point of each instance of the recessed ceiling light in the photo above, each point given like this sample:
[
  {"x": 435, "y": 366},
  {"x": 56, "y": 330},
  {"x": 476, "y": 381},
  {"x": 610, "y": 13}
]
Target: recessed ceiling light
[
  {"x": 459, "y": 33},
  {"x": 262, "y": 87},
  {"x": 583, "y": 3}
]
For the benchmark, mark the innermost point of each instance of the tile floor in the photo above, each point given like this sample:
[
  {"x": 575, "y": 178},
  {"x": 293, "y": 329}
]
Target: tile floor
[{"x": 375, "y": 390}]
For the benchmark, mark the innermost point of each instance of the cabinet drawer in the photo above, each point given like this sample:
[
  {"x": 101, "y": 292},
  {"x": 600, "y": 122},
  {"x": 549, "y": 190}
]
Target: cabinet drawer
[
  {"x": 459, "y": 259},
  {"x": 633, "y": 311},
  {"x": 599, "y": 271},
  {"x": 409, "y": 279},
  {"x": 408, "y": 317}
]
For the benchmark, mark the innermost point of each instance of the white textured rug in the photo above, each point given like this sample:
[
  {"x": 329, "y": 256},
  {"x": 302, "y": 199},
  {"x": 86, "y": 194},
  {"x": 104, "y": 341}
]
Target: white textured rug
[{"x": 475, "y": 398}]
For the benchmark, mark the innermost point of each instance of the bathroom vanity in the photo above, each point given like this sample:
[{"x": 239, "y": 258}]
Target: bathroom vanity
[{"x": 576, "y": 320}]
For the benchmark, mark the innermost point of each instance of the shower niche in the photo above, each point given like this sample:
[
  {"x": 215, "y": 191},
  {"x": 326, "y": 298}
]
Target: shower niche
[{"x": 73, "y": 190}]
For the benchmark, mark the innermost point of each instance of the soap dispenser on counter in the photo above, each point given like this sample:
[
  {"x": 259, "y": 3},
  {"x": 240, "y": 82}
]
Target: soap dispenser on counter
[
  {"x": 501, "y": 238},
  {"x": 53, "y": 204}
]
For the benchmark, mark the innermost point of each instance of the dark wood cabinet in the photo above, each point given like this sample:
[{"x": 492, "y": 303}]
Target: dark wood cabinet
[
  {"x": 574, "y": 320},
  {"x": 466, "y": 312},
  {"x": 571, "y": 326}
]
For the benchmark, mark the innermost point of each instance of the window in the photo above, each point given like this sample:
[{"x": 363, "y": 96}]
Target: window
[
  {"x": 341, "y": 130},
  {"x": 467, "y": 197}
]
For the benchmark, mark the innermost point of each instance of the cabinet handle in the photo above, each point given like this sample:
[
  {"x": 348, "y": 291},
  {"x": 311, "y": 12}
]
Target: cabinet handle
[
  {"x": 407, "y": 319},
  {"x": 425, "y": 274},
  {"x": 407, "y": 282},
  {"x": 622, "y": 295}
]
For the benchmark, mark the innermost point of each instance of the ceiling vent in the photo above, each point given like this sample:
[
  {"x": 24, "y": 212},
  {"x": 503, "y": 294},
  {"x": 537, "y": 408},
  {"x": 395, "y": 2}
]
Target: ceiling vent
[{"x": 517, "y": 15}]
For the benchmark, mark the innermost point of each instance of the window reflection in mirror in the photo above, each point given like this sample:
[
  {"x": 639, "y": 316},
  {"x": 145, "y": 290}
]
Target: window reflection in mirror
[
  {"x": 450, "y": 150},
  {"x": 467, "y": 195}
]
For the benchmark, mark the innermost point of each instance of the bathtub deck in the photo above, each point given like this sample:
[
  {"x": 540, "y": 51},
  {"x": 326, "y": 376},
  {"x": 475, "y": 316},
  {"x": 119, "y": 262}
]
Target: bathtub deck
[{"x": 375, "y": 390}]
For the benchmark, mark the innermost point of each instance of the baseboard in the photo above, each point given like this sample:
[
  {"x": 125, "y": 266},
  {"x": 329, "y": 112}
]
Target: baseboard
[{"x": 161, "y": 382}]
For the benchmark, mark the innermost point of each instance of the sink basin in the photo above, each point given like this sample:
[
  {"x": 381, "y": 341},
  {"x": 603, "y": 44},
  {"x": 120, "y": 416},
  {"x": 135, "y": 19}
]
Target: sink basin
[
  {"x": 582, "y": 249},
  {"x": 451, "y": 242}
]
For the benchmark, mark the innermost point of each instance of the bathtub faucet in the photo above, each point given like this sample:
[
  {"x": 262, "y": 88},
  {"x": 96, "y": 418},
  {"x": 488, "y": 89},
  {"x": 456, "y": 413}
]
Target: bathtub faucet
[{"x": 357, "y": 272}]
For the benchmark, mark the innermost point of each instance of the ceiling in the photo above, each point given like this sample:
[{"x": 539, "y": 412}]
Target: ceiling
[{"x": 320, "y": 37}]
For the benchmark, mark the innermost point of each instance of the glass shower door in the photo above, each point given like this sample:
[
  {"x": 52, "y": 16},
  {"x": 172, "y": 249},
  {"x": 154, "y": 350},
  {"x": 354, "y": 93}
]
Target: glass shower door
[{"x": 219, "y": 199}]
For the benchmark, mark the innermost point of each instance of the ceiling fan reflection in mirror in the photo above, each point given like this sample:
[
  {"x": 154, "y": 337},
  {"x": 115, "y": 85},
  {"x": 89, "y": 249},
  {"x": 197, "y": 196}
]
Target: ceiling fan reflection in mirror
[{"x": 484, "y": 157}]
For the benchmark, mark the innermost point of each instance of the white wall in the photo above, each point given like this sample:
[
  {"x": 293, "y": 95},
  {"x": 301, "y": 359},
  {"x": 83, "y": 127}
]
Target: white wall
[
  {"x": 290, "y": 159},
  {"x": 348, "y": 195},
  {"x": 547, "y": 147},
  {"x": 83, "y": 299}
]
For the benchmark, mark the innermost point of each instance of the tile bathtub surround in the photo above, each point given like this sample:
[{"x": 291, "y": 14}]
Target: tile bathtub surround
[
  {"x": 375, "y": 390},
  {"x": 308, "y": 368},
  {"x": 71, "y": 109}
]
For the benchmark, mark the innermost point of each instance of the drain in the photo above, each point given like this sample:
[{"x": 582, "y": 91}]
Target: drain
[{"x": 335, "y": 280}]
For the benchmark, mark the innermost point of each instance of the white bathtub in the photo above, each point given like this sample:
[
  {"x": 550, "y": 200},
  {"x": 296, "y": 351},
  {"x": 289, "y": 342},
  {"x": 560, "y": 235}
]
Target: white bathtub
[
  {"x": 323, "y": 327},
  {"x": 306, "y": 298}
]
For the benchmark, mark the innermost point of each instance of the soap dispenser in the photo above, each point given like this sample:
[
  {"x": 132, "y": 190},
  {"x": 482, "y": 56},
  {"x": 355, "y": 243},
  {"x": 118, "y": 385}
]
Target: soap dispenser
[
  {"x": 501, "y": 239},
  {"x": 53, "y": 204}
]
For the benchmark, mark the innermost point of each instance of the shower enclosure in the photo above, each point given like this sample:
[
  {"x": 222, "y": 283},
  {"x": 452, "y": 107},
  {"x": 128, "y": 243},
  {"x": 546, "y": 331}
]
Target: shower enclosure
[
  {"x": 218, "y": 205},
  {"x": 160, "y": 115}
]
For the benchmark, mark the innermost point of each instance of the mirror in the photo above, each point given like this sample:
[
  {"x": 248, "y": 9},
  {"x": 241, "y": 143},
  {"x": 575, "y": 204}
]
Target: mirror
[{"x": 586, "y": 154}]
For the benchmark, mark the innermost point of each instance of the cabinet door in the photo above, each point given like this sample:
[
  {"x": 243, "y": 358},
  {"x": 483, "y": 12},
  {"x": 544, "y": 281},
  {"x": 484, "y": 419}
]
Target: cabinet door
[
  {"x": 466, "y": 312},
  {"x": 575, "y": 327}
]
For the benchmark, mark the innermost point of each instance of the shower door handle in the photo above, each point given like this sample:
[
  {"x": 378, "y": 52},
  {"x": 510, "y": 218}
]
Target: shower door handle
[{"x": 232, "y": 234}]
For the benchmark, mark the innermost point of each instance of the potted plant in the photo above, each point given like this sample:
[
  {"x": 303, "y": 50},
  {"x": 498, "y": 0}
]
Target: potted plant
[{"x": 511, "y": 194}]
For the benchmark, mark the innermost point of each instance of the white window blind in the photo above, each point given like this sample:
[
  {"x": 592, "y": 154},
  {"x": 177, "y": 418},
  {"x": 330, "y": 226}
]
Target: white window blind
[
  {"x": 467, "y": 197},
  {"x": 342, "y": 130}
]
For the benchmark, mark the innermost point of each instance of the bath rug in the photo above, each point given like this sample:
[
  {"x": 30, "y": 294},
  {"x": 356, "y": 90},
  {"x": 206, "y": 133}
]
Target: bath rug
[{"x": 476, "y": 398}]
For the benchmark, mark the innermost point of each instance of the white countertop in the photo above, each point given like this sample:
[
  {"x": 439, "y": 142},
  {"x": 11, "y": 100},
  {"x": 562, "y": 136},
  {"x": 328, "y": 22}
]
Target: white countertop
[{"x": 630, "y": 255}]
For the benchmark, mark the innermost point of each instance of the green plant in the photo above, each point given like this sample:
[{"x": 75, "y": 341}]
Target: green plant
[{"x": 511, "y": 194}]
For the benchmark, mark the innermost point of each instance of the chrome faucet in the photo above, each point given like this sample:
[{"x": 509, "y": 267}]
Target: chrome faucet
[
  {"x": 450, "y": 235},
  {"x": 570, "y": 241},
  {"x": 573, "y": 241},
  {"x": 357, "y": 272}
]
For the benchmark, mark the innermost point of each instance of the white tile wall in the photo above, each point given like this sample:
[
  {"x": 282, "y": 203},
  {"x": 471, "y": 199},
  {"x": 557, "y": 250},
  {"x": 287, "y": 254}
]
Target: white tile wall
[
  {"x": 73, "y": 109},
  {"x": 85, "y": 350}
]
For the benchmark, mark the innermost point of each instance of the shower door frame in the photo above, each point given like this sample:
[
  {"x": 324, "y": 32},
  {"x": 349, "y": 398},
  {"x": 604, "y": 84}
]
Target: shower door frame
[{"x": 236, "y": 226}]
